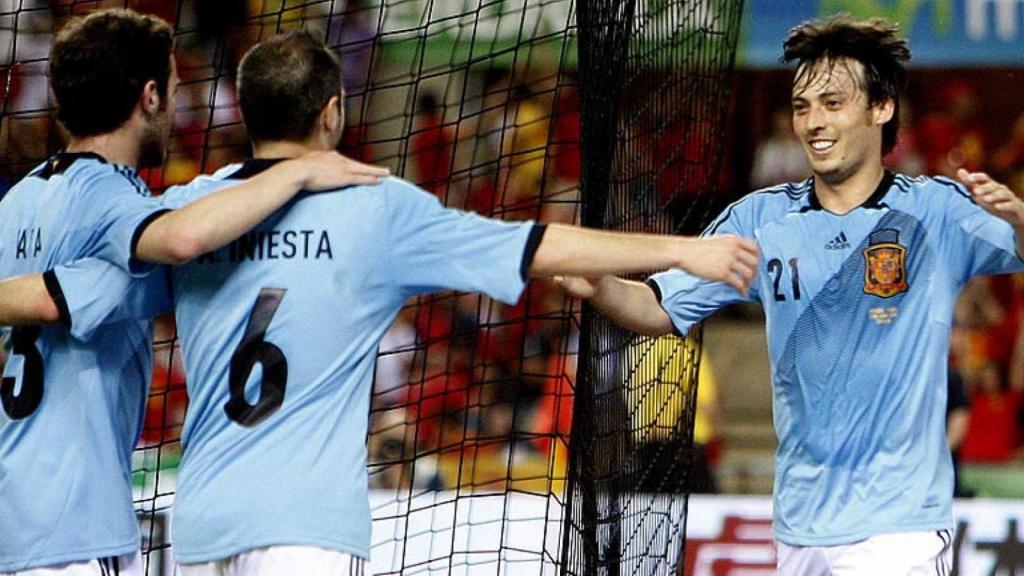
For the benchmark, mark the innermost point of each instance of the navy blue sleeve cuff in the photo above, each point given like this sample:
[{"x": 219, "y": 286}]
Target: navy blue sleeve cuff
[
  {"x": 57, "y": 294},
  {"x": 532, "y": 244},
  {"x": 134, "y": 264},
  {"x": 657, "y": 296}
]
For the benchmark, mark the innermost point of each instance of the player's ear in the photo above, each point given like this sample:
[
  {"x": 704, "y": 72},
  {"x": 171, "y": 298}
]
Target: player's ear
[
  {"x": 883, "y": 111},
  {"x": 150, "y": 97},
  {"x": 332, "y": 116}
]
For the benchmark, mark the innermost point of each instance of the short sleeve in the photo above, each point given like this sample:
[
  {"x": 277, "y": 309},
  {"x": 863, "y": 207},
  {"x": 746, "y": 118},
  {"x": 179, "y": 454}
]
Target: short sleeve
[
  {"x": 91, "y": 292},
  {"x": 974, "y": 242},
  {"x": 688, "y": 299},
  {"x": 429, "y": 247},
  {"x": 117, "y": 210}
]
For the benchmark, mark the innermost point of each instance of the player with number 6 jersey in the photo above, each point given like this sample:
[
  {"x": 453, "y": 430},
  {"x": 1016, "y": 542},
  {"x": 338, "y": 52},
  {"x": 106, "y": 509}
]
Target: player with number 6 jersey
[{"x": 279, "y": 333}]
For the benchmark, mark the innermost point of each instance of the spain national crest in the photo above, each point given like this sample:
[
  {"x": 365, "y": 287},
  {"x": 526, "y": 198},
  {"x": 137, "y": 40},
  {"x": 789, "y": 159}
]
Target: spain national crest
[{"x": 885, "y": 264}]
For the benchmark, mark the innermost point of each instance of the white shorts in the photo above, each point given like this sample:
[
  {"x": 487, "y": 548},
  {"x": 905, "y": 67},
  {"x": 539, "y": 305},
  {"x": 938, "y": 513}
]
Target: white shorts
[
  {"x": 282, "y": 561},
  {"x": 127, "y": 565},
  {"x": 901, "y": 554}
]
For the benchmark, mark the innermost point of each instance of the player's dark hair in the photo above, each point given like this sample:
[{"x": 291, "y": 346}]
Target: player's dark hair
[
  {"x": 874, "y": 43},
  {"x": 99, "y": 65},
  {"x": 284, "y": 83}
]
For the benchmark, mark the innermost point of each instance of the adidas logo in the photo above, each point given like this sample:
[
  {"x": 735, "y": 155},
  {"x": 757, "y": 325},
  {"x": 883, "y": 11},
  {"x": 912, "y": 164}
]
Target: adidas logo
[{"x": 838, "y": 243}]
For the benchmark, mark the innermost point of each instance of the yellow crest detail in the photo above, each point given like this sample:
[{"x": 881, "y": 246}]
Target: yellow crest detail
[{"x": 885, "y": 269}]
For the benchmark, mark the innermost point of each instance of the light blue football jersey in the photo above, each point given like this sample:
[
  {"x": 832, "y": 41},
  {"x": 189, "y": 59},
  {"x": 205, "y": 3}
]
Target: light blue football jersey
[
  {"x": 280, "y": 332},
  {"x": 72, "y": 395},
  {"x": 859, "y": 310}
]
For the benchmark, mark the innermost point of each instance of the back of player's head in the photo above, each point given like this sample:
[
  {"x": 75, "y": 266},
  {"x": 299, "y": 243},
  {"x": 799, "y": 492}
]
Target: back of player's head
[
  {"x": 875, "y": 43},
  {"x": 100, "y": 63},
  {"x": 284, "y": 83}
]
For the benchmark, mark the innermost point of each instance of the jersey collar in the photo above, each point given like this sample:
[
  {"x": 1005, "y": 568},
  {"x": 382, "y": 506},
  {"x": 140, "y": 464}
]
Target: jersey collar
[
  {"x": 252, "y": 167},
  {"x": 61, "y": 161},
  {"x": 873, "y": 201}
]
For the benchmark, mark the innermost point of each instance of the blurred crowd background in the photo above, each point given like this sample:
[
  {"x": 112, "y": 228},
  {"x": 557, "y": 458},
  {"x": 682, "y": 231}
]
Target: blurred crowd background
[{"x": 485, "y": 390}]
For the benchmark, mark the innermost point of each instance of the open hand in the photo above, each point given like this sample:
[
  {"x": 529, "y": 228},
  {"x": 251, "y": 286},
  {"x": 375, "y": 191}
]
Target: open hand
[
  {"x": 729, "y": 259},
  {"x": 330, "y": 170},
  {"x": 994, "y": 197}
]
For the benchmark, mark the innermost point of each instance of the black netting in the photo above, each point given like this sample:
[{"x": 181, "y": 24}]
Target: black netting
[{"x": 654, "y": 85}]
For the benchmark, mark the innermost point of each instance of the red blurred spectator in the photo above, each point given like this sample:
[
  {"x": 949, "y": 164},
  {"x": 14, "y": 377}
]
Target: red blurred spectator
[
  {"x": 565, "y": 144},
  {"x": 992, "y": 434},
  {"x": 953, "y": 137},
  {"x": 1010, "y": 156},
  {"x": 432, "y": 143}
]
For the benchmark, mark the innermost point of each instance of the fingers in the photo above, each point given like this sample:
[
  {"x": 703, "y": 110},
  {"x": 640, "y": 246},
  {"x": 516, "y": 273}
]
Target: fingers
[
  {"x": 750, "y": 255},
  {"x": 993, "y": 196},
  {"x": 360, "y": 168},
  {"x": 347, "y": 165},
  {"x": 992, "y": 192},
  {"x": 744, "y": 271},
  {"x": 738, "y": 284},
  {"x": 358, "y": 179},
  {"x": 973, "y": 179}
]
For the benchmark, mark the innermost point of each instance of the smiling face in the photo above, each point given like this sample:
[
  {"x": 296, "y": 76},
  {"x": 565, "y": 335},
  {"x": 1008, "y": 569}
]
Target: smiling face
[{"x": 841, "y": 132}]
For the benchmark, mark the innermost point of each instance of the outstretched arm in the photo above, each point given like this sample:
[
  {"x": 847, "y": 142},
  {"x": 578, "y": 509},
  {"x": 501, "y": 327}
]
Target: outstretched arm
[
  {"x": 572, "y": 251},
  {"x": 632, "y": 305},
  {"x": 24, "y": 300},
  {"x": 177, "y": 236}
]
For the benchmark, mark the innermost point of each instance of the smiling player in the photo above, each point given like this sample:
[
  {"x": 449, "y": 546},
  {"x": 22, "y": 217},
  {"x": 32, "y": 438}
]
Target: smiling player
[{"x": 860, "y": 271}]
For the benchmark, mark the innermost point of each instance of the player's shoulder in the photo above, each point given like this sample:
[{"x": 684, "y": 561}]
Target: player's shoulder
[
  {"x": 929, "y": 190},
  {"x": 201, "y": 185},
  {"x": 79, "y": 179},
  {"x": 401, "y": 194},
  {"x": 31, "y": 182},
  {"x": 91, "y": 176},
  {"x": 766, "y": 204},
  {"x": 400, "y": 187}
]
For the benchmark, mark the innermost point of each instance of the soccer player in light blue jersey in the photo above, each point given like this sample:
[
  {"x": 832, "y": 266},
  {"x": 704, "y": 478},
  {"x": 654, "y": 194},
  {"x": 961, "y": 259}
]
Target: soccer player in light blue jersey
[
  {"x": 72, "y": 396},
  {"x": 860, "y": 271},
  {"x": 280, "y": 328}
]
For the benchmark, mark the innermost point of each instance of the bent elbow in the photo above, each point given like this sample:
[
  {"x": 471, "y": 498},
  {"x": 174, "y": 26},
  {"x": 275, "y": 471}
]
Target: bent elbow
[
  {"x": 45, "y": 310},
  {"x": 181, "y": 249}
]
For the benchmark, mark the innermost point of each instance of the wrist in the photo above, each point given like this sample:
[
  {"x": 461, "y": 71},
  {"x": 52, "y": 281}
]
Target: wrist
[
  {"x": 603, "y": 286},
  {"x": 684, "y": 250},
  {"x": 296, "y": 175}
]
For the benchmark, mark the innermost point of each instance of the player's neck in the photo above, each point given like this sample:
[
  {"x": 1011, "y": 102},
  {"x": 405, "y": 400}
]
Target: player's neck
[
  {"x": 853, "y": 191},
  {"x": 283, "y": 149},
  {"x": 117, "y": 147}
]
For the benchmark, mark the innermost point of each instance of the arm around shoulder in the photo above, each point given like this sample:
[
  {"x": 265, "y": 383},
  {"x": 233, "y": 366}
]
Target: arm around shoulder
[{"x": 177, "y": 236}]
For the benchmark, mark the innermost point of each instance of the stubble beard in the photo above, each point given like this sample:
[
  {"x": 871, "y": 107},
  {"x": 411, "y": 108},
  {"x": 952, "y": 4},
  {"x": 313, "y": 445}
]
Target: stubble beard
[{"x": 154, "y": 141}]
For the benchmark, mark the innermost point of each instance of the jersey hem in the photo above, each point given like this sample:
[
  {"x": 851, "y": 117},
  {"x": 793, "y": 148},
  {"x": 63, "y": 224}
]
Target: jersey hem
[
  {"x": 216, "y": 554},
  {"x": 853, "y": 537},
  {"x": 130, "y": 547}
]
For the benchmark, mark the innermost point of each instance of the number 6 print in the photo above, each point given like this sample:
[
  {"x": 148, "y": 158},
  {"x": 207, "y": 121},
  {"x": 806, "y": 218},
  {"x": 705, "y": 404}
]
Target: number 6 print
[{"x": 252, "y": 350}]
